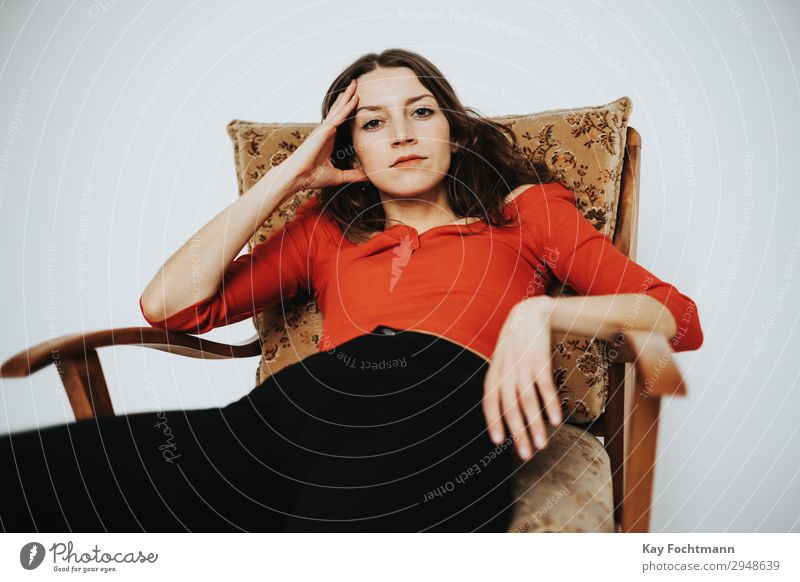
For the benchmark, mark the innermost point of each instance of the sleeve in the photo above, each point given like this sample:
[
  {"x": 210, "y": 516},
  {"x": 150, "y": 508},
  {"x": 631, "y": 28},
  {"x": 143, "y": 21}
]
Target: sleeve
[
  {"x": 587, "y": 260},
  {"x": 276, "y": 268}
]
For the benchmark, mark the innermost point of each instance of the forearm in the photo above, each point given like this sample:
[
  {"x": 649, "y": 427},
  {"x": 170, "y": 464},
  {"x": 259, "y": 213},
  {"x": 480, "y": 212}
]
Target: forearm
[
  {"x": 195, "y": 270},
  {"x": 607, "y": 316}
]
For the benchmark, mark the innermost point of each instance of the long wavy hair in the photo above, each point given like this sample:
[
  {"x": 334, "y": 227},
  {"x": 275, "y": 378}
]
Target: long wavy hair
[{"x": 487, "y": 165}]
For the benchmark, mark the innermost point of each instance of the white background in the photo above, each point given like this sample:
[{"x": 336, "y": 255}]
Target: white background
[{"x": 113, "y": 114}]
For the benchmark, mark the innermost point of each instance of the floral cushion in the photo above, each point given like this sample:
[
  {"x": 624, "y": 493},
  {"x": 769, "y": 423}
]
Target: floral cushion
[
  {"x": 565, "y": 488},
  {"x": 583, "y": 147}
]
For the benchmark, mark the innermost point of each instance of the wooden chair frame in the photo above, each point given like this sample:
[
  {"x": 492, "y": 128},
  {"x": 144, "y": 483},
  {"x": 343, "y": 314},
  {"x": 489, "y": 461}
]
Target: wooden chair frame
[{"x": 641, "y": 371}]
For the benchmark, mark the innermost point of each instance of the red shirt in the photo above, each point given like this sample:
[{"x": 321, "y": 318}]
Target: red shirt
[{"x": 459, "y": 287}]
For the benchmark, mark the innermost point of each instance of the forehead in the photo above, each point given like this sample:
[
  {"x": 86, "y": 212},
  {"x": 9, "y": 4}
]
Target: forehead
[{"x": 388, "y": 87}]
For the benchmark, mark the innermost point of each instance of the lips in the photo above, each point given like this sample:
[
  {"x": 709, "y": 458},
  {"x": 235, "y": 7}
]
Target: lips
[{"x": 402, "y": 159}]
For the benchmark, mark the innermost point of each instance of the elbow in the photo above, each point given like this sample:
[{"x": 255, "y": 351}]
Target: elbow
[
  {"x": 676, "y": 316},
  {"x": 199, "y": 318},
  {"x": 689, "y": 333},
  {"x": 152, "y": 313},
  {"x": 687, "y": 340}
]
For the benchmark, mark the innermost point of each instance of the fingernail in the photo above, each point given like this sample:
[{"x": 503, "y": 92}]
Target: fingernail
[
  {"x": 539, "y": 440},
  {"x": 496, "y": 437},
  {"x": 524, "y": 452}
]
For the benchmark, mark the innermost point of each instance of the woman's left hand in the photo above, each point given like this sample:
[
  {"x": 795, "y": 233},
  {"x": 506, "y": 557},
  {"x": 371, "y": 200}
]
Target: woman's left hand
[{"x": 520, "y": 361}]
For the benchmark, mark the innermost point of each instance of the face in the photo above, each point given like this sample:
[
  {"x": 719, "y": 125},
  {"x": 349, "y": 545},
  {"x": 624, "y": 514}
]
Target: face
[{"x": 393, "y": 120}]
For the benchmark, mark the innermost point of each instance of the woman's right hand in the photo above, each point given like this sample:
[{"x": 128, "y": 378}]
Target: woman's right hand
[{"x": 310, "y": 166}]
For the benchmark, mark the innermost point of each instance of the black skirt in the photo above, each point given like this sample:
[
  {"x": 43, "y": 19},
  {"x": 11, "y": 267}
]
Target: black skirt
[{"x": 382, "y": 433}]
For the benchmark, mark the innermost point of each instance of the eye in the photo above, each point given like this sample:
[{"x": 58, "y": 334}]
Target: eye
[
  {"x": 367, "y": 124},
  {"x": 428, "y": 113}
]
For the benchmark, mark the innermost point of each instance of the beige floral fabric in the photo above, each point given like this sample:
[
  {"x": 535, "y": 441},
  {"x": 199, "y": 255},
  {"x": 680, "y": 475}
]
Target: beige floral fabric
[
  {"x": 565, "y": 487},
  {"x": 583, "y": 147}
]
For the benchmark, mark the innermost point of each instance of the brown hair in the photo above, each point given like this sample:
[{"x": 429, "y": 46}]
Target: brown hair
[{"x": 487, "y": 165}]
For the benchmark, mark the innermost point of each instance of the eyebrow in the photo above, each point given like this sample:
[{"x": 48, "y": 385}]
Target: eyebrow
[{"x": 379, "y": 107}]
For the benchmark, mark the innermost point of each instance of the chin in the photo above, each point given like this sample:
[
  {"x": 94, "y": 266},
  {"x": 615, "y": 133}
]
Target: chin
[{"x": 408, "y": 186}]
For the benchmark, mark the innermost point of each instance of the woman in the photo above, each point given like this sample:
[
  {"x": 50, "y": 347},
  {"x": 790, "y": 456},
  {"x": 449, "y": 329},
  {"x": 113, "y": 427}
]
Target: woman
[{"x": 436, "y": 335}]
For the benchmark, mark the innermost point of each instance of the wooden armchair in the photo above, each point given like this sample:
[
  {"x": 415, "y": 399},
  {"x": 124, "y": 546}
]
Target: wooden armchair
[{"x": 641, "y": 371}]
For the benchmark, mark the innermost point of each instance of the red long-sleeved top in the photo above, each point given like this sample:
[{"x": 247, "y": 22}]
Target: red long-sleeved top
[{"x": 460, "y": 288}]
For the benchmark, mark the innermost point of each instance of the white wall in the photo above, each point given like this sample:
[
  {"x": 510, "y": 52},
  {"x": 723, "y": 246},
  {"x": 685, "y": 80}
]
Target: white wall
[{"x": 114, "y": 151}]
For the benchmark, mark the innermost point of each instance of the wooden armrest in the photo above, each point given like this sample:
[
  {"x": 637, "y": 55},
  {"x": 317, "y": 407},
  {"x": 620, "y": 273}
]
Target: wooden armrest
[
  {"x": 76, "y": 345},
  {"x": 657, "y": 374}
]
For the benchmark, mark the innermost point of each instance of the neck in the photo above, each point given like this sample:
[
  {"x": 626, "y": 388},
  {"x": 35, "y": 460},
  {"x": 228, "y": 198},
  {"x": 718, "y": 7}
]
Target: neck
[{"x": 419, "y": 209}]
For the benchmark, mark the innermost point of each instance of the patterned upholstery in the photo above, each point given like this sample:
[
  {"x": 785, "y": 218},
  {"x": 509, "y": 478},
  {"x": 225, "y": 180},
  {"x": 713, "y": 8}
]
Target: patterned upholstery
[
  {"x": 565, "y": 487},
  {"x": 584, "y": 149}
]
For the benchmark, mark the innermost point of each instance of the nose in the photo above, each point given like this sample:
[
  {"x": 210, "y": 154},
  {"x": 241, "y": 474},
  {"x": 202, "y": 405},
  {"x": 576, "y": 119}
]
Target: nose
[
  {"x": 402, "y": 140},
  {"x": 402, "y": 133}
]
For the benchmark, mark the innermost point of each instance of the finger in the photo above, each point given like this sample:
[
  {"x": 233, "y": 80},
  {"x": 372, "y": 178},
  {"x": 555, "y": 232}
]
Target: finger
[
  {"x": 343, "y": 94},
  {"x": 549, "y": 393},
  {"x": 491, "y": 405},
  {"x": 529, "y": 402},
  {"x": 516, "y": 423},
  {"x": 341, "y": 101},
  {"x": 346, "y": 109},
  {"x": 333, "y": 114},
  {"x": 336, "y": 118}
]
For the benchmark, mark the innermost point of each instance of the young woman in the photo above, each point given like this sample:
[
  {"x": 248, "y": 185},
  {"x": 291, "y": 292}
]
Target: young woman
[{"x": 429, "y": 249}]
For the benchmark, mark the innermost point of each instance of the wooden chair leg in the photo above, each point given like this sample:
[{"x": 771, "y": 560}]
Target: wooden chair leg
[
  {"x": 86, "y": 387},
  {"x": 613, "y": 434},
  {"x": 639, "y": 464}
]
